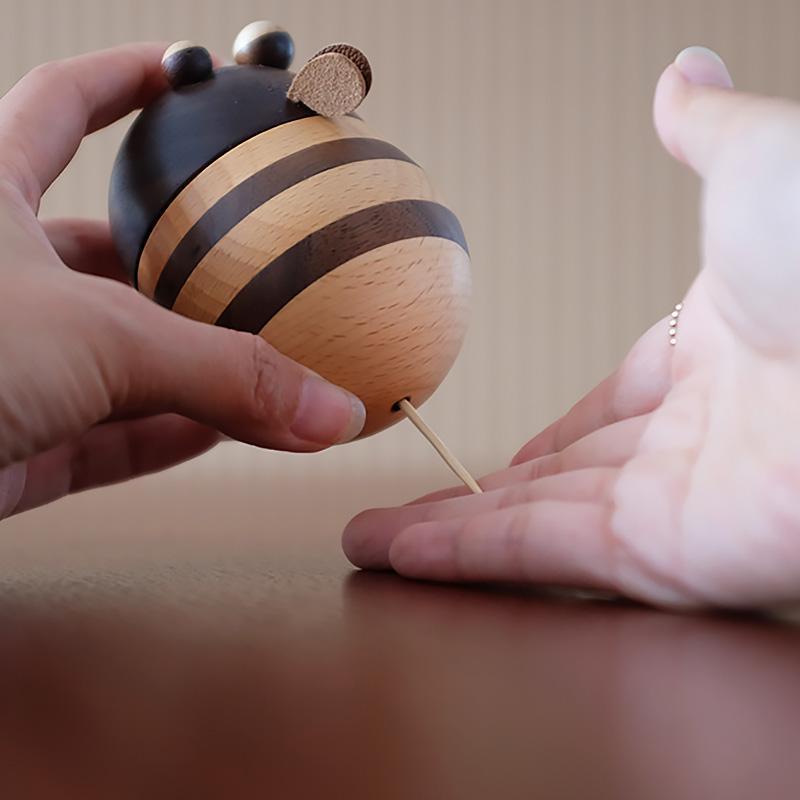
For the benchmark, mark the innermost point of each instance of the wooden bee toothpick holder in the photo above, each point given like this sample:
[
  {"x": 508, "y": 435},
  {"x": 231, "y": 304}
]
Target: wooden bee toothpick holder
[{"x": 254, "y": 199}]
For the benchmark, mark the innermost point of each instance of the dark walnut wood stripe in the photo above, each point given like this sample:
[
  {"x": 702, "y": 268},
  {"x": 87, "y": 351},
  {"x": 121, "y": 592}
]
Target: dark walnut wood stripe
[
  {"x": 220, "y": 177},
  {"x": 330, "y": 247},
  {"x": 180, "y": 134},
  {"x": 253, "y": 192}
]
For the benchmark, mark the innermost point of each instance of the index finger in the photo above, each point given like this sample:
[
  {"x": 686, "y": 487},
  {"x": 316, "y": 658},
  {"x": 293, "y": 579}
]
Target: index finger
[
  {"x": 636, "y": 388},
  {"x": 368, "y": 538},
  {"x": 46, "y": 115}
]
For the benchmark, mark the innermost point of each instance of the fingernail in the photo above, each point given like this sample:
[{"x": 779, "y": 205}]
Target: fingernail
[
  {"x": 703, "y": 67},
  {"x": 327, "y": 414}
]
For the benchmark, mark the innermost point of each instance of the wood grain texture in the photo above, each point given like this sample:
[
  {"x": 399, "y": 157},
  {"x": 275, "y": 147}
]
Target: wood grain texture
[
  {"x": 259, "y": 189},
  {"x": 328, "y": 248},
  {"x": 275, "y": 215},
  {"x": 287, "y": 219},
  {"x": 227, "y": 172},
  {"x": 397, "y": 340},
  {"x": 182, "y": 132}
]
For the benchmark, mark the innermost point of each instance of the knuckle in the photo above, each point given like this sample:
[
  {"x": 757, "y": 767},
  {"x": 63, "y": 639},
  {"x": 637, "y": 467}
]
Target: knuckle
[
  {"x": 760, "y": 145},
  {"x": 517, "y": 494},
  {"x": 532, "y": 469},
  {"x": 44, "y": 76},
  {"x": 602, "y": 485},
  {"x": 13, "y": 191},
  {"x": 543, "y": 466},
  {"x": 756, "y": 177},
  {"x": 118, "y": 354},
  {"x": 18, "y": 186},
  {"x": 264, "y": 378},
  {"x": 47, "y": 71},
  {"x": 516, "y": 537},
  {"x": 459, "y": 561}
]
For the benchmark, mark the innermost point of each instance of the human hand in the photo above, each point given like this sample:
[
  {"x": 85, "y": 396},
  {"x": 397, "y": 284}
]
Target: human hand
[
  {"x": 98, "y": 384},
  {"x": 677, "y": 480}
]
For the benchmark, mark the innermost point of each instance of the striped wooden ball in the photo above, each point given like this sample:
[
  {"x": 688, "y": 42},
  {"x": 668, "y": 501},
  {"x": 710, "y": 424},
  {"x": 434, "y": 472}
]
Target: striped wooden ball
[{"x": 235, "y": 207}]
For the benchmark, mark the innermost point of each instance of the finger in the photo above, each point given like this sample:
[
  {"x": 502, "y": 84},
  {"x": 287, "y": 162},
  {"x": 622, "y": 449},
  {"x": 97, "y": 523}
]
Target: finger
[
  {"x": 46, "y": 115},
  {"x": 636, "y": 388},
  {"x": 111, "y": 453},
  {"x": 155, "y": 361},
  {"x": 546, "y": 542},
  {"x": 611, "y": 446},
  {"x": 695, "y": 110},
  {"x": 748, "y": 147},
  {"x": 442, "y": 494},
  {"x": 693, "y": 106},
  {"x": 86, "y": 246},
  {"x": 367, "y": 539}
]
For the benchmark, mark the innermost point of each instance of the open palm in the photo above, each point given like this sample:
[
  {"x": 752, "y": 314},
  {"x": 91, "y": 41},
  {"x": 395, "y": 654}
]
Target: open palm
[{"x": 677, "y": 480}]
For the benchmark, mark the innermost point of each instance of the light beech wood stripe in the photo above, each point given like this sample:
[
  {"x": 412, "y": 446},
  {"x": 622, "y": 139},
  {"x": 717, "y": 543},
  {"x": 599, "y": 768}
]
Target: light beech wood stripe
[
  {"x": 324, "y": 250},
  {"x": 287, "y": 219},
  {"x": 254, "y": 192},
  {"x": 227, "y": 172},
  {"x": 346, "y": 334}
]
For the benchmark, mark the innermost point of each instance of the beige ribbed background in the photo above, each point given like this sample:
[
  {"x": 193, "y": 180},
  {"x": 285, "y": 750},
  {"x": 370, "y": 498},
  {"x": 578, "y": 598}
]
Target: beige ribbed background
[{"x": 533, "y": 117}]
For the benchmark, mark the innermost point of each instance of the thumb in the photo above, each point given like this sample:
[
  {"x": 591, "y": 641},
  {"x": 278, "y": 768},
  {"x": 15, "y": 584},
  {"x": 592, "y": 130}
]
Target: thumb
[
  {"x": 160, "y": 362},
  {"x": 694, "y": 106},
  {"x": 746, "y": 148}
]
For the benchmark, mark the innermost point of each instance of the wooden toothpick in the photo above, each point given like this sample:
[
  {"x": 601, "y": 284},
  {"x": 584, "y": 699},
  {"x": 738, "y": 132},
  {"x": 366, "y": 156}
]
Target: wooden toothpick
[{"x": 441, "y": 448}]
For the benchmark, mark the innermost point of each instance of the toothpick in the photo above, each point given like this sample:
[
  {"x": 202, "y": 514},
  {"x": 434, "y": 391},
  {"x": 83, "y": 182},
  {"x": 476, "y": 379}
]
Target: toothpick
[{"x": 440, "y": 447}]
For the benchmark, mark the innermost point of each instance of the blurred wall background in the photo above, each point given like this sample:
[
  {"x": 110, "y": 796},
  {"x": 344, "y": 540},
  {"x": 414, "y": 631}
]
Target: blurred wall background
[{"x": 533, "y": 117}]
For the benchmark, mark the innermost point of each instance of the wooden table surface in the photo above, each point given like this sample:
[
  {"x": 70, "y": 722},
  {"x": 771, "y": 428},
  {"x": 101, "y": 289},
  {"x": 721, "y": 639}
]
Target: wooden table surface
[{"x": 236, "y": 660}]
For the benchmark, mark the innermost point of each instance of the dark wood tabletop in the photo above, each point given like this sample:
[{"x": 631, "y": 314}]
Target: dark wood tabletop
[{"x": 249, "y": 661}]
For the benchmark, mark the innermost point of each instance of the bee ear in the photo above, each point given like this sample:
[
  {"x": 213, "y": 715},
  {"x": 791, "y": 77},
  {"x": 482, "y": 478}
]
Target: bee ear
[
  {"x": 185, "y": 63},
  {"x": 334, "y": 82},
  {"x": 264, "y": 44}
]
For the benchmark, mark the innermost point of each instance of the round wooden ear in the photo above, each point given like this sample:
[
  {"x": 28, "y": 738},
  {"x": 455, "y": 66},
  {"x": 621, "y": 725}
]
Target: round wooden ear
[
  {"x": 185, "y": 63},
  {"x": 265, "y": 44},
  {"x": 334, "y": 82}
]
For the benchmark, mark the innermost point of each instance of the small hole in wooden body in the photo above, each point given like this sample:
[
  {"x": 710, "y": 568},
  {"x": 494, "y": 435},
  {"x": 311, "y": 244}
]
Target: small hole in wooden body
[{"x": 396, "y": 407}]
